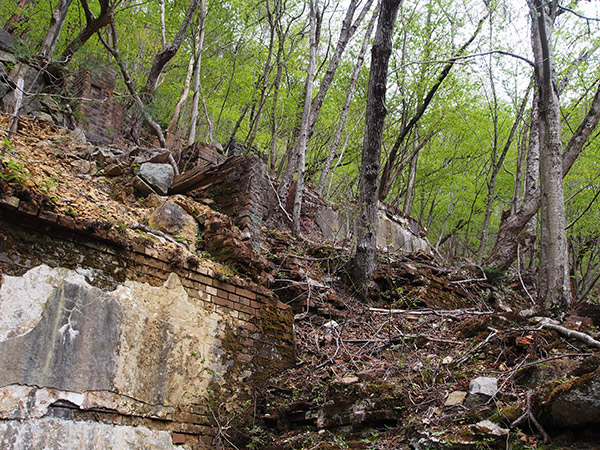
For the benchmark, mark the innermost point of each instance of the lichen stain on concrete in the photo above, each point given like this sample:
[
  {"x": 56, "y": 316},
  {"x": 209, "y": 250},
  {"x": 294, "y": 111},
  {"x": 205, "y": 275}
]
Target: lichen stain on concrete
[{"x": 152, "y": 344}]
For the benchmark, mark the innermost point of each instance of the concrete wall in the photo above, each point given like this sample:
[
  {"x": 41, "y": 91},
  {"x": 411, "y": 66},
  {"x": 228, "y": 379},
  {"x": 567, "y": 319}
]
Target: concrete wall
[
  {"x": 108, "y": 345},
  {"x": 394, "y": 232}
]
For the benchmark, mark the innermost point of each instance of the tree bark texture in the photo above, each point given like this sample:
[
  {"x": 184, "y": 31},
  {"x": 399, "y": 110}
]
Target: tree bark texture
[
  {"x": 303, "y": 135},
  {"x": 56, "y": 25},
  {"x": 554, "y": 287},
  {"x": 365, "y": 259}
]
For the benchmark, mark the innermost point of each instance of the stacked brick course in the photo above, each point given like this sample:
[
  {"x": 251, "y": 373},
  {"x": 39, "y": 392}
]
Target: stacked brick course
[
  {"x": 261, "y": 326},
  {"x": 100, "y": 115}
]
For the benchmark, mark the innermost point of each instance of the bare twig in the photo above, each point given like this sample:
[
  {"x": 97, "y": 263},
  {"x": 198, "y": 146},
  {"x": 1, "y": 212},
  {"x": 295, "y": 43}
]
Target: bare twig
[
  {"x": 279, "y": 200},
  {"x": 493, "y": 333},
  {"x": 140, "y": 226},
  {"x": 528, "y": 415},
  {"x": 586, "y": 338}
]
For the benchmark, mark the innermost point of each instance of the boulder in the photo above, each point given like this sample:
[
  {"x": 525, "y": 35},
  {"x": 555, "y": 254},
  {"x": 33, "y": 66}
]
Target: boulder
[
  {"x": 172, "y": 219},
  {"x": 158, "y": 176},
  {"x": 570, "y": 403}
]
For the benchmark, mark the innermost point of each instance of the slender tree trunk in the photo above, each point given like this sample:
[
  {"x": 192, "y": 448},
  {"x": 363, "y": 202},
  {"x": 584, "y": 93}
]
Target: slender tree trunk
[
  {"x": 386, "y": 178},
  {"x": 365, "y": 259},
  {"x": 264, "y": 79},
  {"x": 346, "y": 107},
  {"x": 412, "y": 176},
  {"x": 303, "y": 135},
  {"x": 11, "y": 24},
  {"x": 158, "y": 64},
  {"x": 197, "y": 70},
  {"x": 496, "y": 166},
  {"x": 504, "y": 251},
  {"x": 57, "y": 22},
  {"x": 184, "y": 95},
  {"x": 346, "y": 33}
]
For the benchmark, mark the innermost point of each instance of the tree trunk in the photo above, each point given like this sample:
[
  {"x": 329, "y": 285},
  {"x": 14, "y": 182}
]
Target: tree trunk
[
  {"x": 11, "y": 24},
  {"x": 303, "y": 135},
  {"x": 159, "y": 62},
  {"x": 553, "y": 285},
  {"x": 346, "y": 107},
  {"x": 496, "y": 166},
  {"x": 346, "y": 33},
  {"x": 56, "y": 25},
  {"x": 386, "y": 175},
  {"x": 197, "y": 68},
  {"x": 93, "y": 25},
  {"x": 504, "y": 251},
  {"x": 365, "y": 259}
]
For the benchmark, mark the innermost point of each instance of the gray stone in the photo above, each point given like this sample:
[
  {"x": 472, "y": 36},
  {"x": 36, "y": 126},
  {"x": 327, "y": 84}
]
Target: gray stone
[
  {"x": 83, "y": 166},
  {"x": 160, "y": 156},
  {"x": 78, "y": 135},
  {"x": 484, "y": 386},
  {"x": 488, "y": 427},
  {"x": 7, "y": 41},
  {"x": 172, "y": 219},
  {"x": 158, "y": 176},
  {"x": 42, "y": 116},
  {"x": 113, "y": 170}
]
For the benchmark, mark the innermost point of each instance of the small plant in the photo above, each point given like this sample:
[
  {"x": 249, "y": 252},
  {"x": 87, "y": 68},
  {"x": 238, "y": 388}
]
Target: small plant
[
  {"x": 12, "y": 170},
  {"x": 73, "y": 212}
]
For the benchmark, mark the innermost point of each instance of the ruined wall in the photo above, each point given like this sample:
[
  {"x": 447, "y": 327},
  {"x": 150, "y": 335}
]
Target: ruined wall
[
  {"x": 99, "y": 114},
  {"x": 395, "y": 233},
  {"x": 111, "y": 346}
]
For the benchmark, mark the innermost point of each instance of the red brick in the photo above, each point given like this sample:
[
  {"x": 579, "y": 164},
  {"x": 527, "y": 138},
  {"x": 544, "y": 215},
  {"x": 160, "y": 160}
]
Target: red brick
[
  {"x": 225, "y": 286},
  {"x": 246, "y": 309},
  {"x": 223, "y": 302},
  {"x": 223, "y": 294},
  {"x": 255, "y": 305},
  {"x": 178, "y": 438},
  {"x": 201, "y": 278},
  {"x": 28, "y": 208},
  {"x": 48, "y": 216},
  {"x": 245, "y": 293}
]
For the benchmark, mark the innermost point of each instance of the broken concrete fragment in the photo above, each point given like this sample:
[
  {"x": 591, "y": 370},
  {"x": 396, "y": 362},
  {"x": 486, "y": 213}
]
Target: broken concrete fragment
[
  {"x": 142, "y": 187},
  {"x": 113, "y": 170},
  {"x": 157, "y": 176}
]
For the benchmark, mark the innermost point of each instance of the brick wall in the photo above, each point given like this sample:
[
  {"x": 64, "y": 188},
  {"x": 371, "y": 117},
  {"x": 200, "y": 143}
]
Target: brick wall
[
  {"x": 261, "y": 336},
  {"x": 99, "y": 114}
]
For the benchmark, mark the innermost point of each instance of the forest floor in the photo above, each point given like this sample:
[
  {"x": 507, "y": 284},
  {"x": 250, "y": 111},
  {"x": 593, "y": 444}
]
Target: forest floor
[{"x": 392, "y": 371}]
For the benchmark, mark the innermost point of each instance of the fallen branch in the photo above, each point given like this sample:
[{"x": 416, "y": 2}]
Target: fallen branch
[
  {"x": 279, "y": 199},
  {"x": 140, "y": 226},
  {"x": 423, "y": 312},
  {"x": 528, "y": 415},
  {"x": 586, "y": 338},
  {"x": 396, "y": 339},
  {"x": 493, "y": 333}
]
